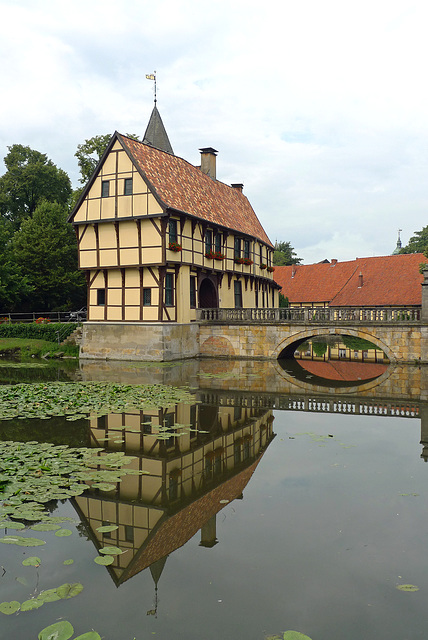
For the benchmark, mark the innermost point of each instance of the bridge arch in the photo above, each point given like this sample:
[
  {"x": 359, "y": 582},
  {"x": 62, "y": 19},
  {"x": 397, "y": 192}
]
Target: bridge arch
[{"x": 287, "y": 347}]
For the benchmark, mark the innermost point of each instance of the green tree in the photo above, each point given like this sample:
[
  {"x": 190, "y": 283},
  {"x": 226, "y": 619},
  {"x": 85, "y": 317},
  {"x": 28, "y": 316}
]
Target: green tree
[
  {"x": 417, "y": 243},
  {"x": 13, "y": 284},
  {"x": 30, "y": 178},
  {"x": 284, "y": 254},
  {"x": 45, "y": 248},
  {"x": 89, "y": 154}
]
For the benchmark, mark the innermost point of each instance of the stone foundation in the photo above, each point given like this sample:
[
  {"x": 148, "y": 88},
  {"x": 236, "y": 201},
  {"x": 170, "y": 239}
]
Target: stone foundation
[{"x": 137, "y": 341}]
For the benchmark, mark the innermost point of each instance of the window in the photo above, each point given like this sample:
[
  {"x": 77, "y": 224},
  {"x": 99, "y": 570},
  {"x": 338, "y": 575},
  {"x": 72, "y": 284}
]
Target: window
[
  {"x": 246, "y": 451},
  {"x": 105, "y": 188},
  {"x": 193, "y": 292},
  {"x": 146, "y": 423},
  {"x": 218, "y": 241},
  {"x": 261, "y": 254},
  {"x": 169, "y": 289},
  {"x": 208, "y": 241},
  {"x": 101, "y": 297},
  {"x": 127, "y": 191},
  {"x": 237, "y": 452},
  {"x": 247, "y": 249},
  {"x": 129, "y": 533},
  {"x": 237, "y": 247},
  {"x": 173, "y": 488},
  {"x": 173, "y": 230},
  {"x": 147, "y": 297},
  {"x": 238, "y": 294}
]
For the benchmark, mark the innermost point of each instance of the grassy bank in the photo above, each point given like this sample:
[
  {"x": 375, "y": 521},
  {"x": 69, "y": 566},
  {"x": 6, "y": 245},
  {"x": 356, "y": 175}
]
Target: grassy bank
[{"x": 25, "y": 348}]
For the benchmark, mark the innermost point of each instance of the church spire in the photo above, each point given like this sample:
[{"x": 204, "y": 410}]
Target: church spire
[
  {"x": 156, "y": 135},
  {"x": 399, "y": 245}
]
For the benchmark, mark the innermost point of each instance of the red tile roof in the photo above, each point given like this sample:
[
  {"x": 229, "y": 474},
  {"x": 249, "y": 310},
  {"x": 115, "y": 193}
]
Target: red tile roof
[
  {"x": 386, "y": 281},
  {"x": 343, "y": 370},
  {"x": 184, "y": 187}
]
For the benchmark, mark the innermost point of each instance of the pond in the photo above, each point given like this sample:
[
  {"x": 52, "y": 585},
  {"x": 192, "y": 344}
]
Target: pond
[{"x": 263, "y": 502}]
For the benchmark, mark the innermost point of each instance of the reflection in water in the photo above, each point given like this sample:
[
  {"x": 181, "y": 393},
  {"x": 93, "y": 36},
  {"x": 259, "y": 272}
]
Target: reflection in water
[
  {"x": 333, "y": 373},
  {"x": 204, "y": 462}
]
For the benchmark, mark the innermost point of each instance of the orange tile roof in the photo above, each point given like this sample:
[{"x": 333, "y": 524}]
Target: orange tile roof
[
  {"x": 387, "y": 281},
  {"x": 183, "y": 187},
  {"x": 343, "y": 370}
]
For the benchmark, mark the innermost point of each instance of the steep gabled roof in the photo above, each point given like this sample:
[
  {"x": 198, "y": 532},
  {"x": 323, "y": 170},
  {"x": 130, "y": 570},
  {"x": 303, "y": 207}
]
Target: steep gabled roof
[
  {"x": 386, "y": 281},
  {"x": 156, "y": 135},
  {"x": 183, "y": 187}
]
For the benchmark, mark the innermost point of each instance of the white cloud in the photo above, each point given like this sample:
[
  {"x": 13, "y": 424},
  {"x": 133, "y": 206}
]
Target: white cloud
[{"x": 319, "y": 108}]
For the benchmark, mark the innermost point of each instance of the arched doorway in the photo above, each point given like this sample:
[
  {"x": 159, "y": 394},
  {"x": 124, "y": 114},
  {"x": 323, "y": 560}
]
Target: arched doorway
[{"x": 207, "y": 295}]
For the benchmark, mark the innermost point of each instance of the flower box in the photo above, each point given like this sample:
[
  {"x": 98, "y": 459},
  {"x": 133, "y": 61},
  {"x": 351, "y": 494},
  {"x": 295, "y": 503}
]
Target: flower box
[
  {"x": 174, "y": 246},
  {"x": 215, "y": 255},
  {"x": 245, "y": 261},
  {"x": 270, "y": 269},
  {"x": 263, "y": 266}
]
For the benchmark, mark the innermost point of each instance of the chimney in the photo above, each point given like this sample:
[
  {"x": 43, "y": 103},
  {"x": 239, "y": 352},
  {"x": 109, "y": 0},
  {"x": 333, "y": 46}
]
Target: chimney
[
  {"x": 237, "y": 185},
  {"x": 293, "y": 270},
  {"x": 360, "y": 280},
  {"x": 208, "y": 161},
  {"x": 333, "y": 262},
  {"x": 208, "y": 533}
]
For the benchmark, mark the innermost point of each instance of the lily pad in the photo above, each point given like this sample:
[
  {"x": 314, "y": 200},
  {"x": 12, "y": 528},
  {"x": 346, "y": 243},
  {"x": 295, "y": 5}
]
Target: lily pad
[
  {"x": 104, "y": 560},
  {"x": 68, "y": 590},
  {"x": 107, "y": 528},
  {"x": 10, "y": 607},
  {"x": 295, "y": 635},
  {"x": 29, "y": 605},
  {"x": 45, "y": 526},
  {"x": 49, "y": 595},
  {"x": 62, "y": 630},
  {"x": 32, "y": 561},
  {"x": 22, "y": 542},
  {"x": 63, "y": 533},
  {"x": 89, "y": 635},
  {"x": 111, "y": 551},
  {"x": 68, "y": 562},
  {"x": 407, "y": 587}
]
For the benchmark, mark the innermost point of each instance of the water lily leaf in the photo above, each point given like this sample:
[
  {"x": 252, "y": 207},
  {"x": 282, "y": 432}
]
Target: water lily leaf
[
  {"x": 34, "y": 603},
  {"x": 45, "y": 526},
  {"x": 107, "y": 528},
  {"x": 104, "y": 486},
  {"x": 49, "y": 595},
  {"x": 104, "y": 560},
  {"x": 32, "y": 561},
  {"x": 62, "y": 630},
  {"x": 63, "y": 533},
  {"x": 22, "y": 542},
  {"x": 90, "y": 635},
  {"x": 23, "y": 581},
  {"x": 407, "y": 587},
  {"x": 10, "y": 607},
  {"x": 67, "y": 562},
  {"x": 15, "y": 525},
  {"x": 68, "y": 590},
  {"x": 295, "y": 635},
  {"x": 111, "y": 551}
]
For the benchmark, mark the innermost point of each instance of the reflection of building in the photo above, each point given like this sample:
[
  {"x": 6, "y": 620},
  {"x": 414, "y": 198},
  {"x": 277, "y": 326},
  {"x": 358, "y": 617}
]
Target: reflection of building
[
  {"x": 193, "y": 471},
  {"x": 326, "y": 348},
  {"x": 385, "y": 281}
]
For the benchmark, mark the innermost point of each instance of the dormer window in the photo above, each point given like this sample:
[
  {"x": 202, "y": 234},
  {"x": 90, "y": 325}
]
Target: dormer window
[
  {"x": 127, "y": 190},
  {"x": 105, "y": 188}
]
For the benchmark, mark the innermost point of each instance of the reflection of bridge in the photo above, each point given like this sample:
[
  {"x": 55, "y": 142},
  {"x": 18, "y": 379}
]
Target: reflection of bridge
[{"x": 272, "y": 333}]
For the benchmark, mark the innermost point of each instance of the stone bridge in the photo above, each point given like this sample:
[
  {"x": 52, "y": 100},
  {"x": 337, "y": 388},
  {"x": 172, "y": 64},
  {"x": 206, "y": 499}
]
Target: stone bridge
[{"x": 400, "y": 333}]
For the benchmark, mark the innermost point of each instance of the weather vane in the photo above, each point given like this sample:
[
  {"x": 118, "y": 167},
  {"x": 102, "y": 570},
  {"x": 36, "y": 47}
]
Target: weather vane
[{"x": 152, "y": 76}]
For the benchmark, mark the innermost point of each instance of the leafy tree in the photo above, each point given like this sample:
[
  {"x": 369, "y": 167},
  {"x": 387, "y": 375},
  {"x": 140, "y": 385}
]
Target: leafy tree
[
  {"x": 417, "y": 243},
  {"x": 45, "y": 248},
  {"x": 30, "y": 178},
  {"x": 13, "y": 284},
  {"x": 89, "y": 153},
  {"x": 284, "y": 254}
]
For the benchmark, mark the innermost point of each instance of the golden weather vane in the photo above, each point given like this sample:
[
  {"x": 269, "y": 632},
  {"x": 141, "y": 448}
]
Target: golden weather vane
[{"x": 152, "y": 76}]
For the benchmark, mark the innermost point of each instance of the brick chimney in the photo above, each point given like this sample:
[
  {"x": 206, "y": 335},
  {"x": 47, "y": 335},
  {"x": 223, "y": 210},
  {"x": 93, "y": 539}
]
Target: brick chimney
[
  {"x": 333, "y": 262},
  {"x": 360, "y": 280},
  {"x": 237, "y": 185},
  {"x": 208, "y": 161}
]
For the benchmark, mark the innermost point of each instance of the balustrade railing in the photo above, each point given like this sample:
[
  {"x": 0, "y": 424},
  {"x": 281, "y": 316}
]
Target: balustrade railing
[{"x": 298, "y": 315}]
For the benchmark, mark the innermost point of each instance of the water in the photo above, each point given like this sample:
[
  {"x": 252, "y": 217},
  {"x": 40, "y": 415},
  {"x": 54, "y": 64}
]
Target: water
[{"x": 326, "y": 513}]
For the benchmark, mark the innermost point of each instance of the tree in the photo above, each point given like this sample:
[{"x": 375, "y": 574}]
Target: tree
[
  {"x": 45, "y": 248},
  {"x": 417, "y": 243},
  {"x": 13, "y": 284},
  {"x": 284, "y": 254},
  {"x": 30, "y": 178},
  {"x": 89, "y": 154}
]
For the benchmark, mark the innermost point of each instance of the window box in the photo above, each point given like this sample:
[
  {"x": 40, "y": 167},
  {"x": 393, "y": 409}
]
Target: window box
[
  {"x": 174, "y": 246},
  {"x": 263, "y": 266},
  {"x": 215, "y": 255},
  {"x": 270, "y": 269},
  {"x": 246, "y": 261}
]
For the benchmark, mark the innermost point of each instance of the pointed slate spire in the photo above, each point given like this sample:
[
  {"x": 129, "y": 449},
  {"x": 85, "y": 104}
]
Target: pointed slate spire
[{"x": 156, "y": 135}]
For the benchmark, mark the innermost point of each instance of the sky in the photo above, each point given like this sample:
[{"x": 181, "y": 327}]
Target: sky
[{"x": 319, "y": 108}]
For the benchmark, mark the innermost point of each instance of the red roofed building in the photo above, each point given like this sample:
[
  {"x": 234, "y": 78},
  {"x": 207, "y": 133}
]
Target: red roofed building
[
  {"x": 159, "y": 237},
  {"x": 384, "y": 281}
]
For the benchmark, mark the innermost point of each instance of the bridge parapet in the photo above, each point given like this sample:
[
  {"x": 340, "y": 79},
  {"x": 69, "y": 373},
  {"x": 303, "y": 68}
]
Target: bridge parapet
[{"x": 313, "y": 315}]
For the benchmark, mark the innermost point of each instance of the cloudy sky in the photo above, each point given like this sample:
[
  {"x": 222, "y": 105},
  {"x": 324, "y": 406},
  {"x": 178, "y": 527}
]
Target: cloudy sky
[{"x": 319, "y": 108}]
